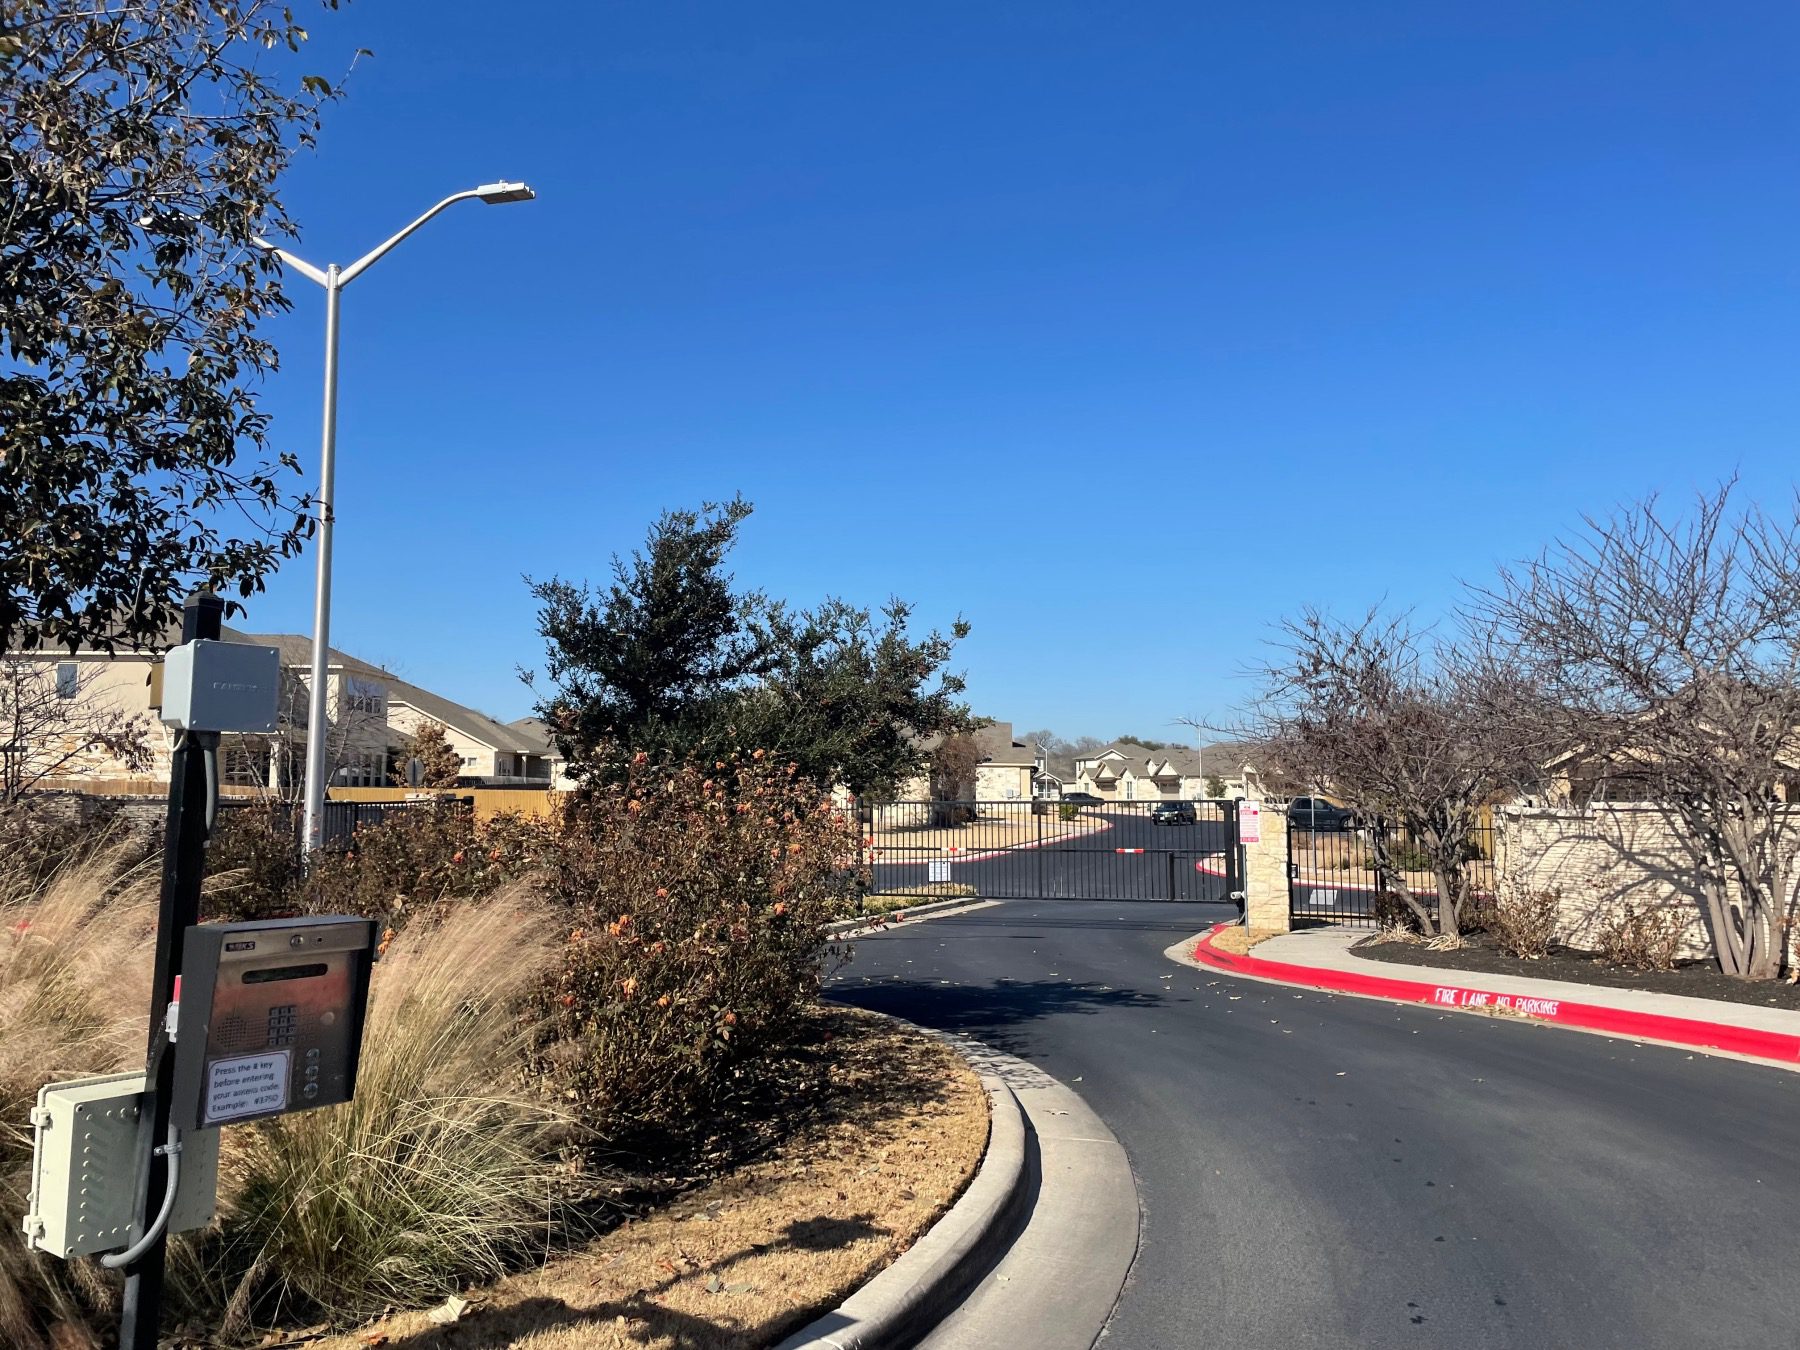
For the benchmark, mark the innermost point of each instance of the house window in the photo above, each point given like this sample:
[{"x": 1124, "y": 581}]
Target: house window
[
  {"x": 68, "y": 679},
  {"x": 244, "y": 766},
  {"x": 364, "y": 696}
]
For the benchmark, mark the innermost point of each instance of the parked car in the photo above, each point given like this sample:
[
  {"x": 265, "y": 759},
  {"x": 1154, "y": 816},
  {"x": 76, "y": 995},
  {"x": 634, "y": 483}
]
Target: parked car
[
  {"x": 1083, "y": 799},
  {"x": 1319, "y": 815},
  {"x": 1173, "y": 813}
]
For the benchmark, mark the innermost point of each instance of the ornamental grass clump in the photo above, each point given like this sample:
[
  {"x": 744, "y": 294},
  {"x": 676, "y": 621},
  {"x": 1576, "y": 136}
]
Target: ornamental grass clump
[
  {"x": 442, "y": 1172},
  {"x": 74, "y": 990}
]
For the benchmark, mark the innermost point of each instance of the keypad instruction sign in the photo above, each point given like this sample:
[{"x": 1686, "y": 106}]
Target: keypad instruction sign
[{"x": 249, "y": 1085}]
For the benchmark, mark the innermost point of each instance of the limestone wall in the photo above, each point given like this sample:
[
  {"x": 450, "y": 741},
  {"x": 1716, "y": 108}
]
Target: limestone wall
[{"x": 1602, "y": 859}]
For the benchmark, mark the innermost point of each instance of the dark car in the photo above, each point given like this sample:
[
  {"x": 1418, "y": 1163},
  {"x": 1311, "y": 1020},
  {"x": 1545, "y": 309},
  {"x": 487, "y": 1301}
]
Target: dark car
[
  {"x": 1319, "y": 815},
  {"x": 1083, "y": 799},
  {"x": 1172, "y": 813}
]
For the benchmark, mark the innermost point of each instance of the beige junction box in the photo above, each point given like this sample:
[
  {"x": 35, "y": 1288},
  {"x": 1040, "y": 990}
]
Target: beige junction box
[{"x": 84, "y": 1168}]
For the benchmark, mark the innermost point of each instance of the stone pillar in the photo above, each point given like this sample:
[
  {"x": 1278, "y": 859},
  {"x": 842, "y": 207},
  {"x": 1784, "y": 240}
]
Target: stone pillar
[{"x": 1266, "y": 874}]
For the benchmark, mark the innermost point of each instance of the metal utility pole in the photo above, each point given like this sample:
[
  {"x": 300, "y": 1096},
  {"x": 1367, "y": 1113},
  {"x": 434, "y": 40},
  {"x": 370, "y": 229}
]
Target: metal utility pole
[
  {"x": 334, "y": 279},
  {"x": 184, "y": 863}
]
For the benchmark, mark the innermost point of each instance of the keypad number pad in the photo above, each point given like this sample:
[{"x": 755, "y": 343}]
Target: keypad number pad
[{"x": 283, "y": 1022}]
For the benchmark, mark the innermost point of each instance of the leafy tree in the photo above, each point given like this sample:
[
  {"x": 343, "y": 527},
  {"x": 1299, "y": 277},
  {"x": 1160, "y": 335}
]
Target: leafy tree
[
  {"x": 144, "y": 143},
  {"x": 439, "y": 763},
  {"x": 656, "y": 662},
  {"x": 851, "y": 698},
  {"x": 1215, "y": 785},
  {"x": 673, "y": 662},
  {"x": 1148, "y": 743}
]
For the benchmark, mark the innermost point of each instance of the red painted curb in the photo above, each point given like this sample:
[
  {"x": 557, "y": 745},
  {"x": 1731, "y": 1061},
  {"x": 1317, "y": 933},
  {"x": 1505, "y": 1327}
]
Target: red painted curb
[{"x": 1773, "y": 1045}]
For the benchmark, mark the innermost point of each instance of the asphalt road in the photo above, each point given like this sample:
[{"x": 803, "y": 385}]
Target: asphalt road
[
  {"x": 1322, "y": 1171},
  {"x": 1162, "y": 867}
]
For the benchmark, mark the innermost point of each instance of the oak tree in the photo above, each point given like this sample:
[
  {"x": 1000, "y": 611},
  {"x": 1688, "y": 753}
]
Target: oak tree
[{"x": 143, "y": 150}]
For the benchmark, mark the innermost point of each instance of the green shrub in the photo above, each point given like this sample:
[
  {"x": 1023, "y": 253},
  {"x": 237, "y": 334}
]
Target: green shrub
[
  {"x": 1067, "y": 811},
  {"x": 698, "y": 900},
  {"x": 1406, "y": 856}
]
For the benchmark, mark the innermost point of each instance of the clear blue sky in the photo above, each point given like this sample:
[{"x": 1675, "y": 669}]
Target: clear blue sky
[{"x": 1120, "y": 330}]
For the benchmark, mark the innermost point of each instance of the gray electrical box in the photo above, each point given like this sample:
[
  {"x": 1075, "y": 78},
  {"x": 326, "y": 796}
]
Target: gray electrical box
[
  {"x": 84, "y": 1168},
  {"x": 221, "y": 686},
  {"x": 271, "y": 1018}
]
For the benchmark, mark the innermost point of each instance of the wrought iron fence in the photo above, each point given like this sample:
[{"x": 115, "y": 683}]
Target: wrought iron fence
[
  {"x": 1052, "y": 849},
  {"x": 1340, "y": 876},
  {"x": 339, "y": 821}
]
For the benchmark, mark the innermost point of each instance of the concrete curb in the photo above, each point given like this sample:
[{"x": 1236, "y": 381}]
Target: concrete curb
[
  {"x": 1764, "y": 1047},
  {"x": 1058, "y": 1285},
  {"x": 933, "y": 1275}
]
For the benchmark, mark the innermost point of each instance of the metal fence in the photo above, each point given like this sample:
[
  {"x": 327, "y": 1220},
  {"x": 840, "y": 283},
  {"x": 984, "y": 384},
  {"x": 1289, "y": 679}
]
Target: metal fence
[
  {"x": 1336, "y": 877},
  {"x": 339, "y": 821},
  {"x": 1050, "y": 849}
]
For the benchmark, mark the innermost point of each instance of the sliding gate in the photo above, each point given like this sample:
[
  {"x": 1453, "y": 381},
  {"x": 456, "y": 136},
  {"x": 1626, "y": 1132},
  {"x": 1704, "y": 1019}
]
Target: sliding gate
[{"x": 1052, "y": 850}]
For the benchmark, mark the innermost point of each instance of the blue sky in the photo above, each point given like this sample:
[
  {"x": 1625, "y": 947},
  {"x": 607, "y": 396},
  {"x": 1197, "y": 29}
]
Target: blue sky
[{"x": 1120, "y": 330}]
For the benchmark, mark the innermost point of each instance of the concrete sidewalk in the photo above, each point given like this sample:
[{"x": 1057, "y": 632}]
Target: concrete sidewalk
[{"x": 1331, "y": 949}]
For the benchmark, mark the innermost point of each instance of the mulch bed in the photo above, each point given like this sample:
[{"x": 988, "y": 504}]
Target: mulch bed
[
  {"x": 1693, "y": 979},
  {"x": 896, "y": 1125}
]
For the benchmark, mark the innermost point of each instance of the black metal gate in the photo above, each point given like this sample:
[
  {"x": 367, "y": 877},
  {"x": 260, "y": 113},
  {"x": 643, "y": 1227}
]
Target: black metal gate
[
  {"x": 1049, "y": 849},
  {"x": 1333, "y": 876}
]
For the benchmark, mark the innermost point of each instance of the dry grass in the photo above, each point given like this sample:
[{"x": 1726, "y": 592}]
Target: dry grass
[
  {"x": 1237, "y": 940},
  {"x": 441, "y": 1170},
  {"x": 74, "y": 987},
  {"x": 743, "y": 1261},
  {"x": 906, "y": 897}
]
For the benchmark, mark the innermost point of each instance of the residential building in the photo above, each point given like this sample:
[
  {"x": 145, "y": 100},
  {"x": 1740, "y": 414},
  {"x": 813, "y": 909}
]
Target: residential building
[
  {"x": 1129, "y": 772},
  {"x": 1005, "y": 771},
  {"x": 371, "y": 712}
]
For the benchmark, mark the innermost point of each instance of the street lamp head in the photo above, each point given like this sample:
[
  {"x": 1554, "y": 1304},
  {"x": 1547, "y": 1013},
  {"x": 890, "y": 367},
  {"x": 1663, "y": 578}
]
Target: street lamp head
[{"x": 493, "y": 193}]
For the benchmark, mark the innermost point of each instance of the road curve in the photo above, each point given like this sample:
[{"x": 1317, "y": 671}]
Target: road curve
[{"x": 1318, "y": 1171}]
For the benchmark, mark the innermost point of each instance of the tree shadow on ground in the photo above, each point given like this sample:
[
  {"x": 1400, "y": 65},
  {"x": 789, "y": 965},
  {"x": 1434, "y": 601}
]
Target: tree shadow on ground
[
  {"x": 991, "y": 1013},
  {"x": 874, "y": 1077},
  {"x": 645, "y": 1320}
]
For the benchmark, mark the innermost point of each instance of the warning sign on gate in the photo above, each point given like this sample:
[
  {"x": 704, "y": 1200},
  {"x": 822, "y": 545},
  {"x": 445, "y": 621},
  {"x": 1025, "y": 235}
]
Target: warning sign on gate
[
  {"x": 937, "y": 869},
  {"x": 1249, "y": 822}
]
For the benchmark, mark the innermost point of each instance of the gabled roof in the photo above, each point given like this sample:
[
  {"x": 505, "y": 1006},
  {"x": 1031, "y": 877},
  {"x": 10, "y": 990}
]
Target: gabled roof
[
  {"x": 997, "y": 746},
  {"x": 1176, "y": 761},
  {"x": 476, "y": 725},
  {"x": 538, "y": 730},
  {"x": 296, "y": 650}
]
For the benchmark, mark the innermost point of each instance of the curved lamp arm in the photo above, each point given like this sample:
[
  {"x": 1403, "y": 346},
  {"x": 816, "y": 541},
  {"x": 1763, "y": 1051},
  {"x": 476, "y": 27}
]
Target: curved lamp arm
[
  {"x": 362, "y": 264},
  {"x": 491, "y": 193}
]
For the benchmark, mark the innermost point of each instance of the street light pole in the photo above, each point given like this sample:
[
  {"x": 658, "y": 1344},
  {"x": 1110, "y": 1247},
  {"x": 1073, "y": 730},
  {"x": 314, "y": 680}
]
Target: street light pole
[
  {"x": 321, "y": 650},
  {"x": 334, "y": 279}
]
